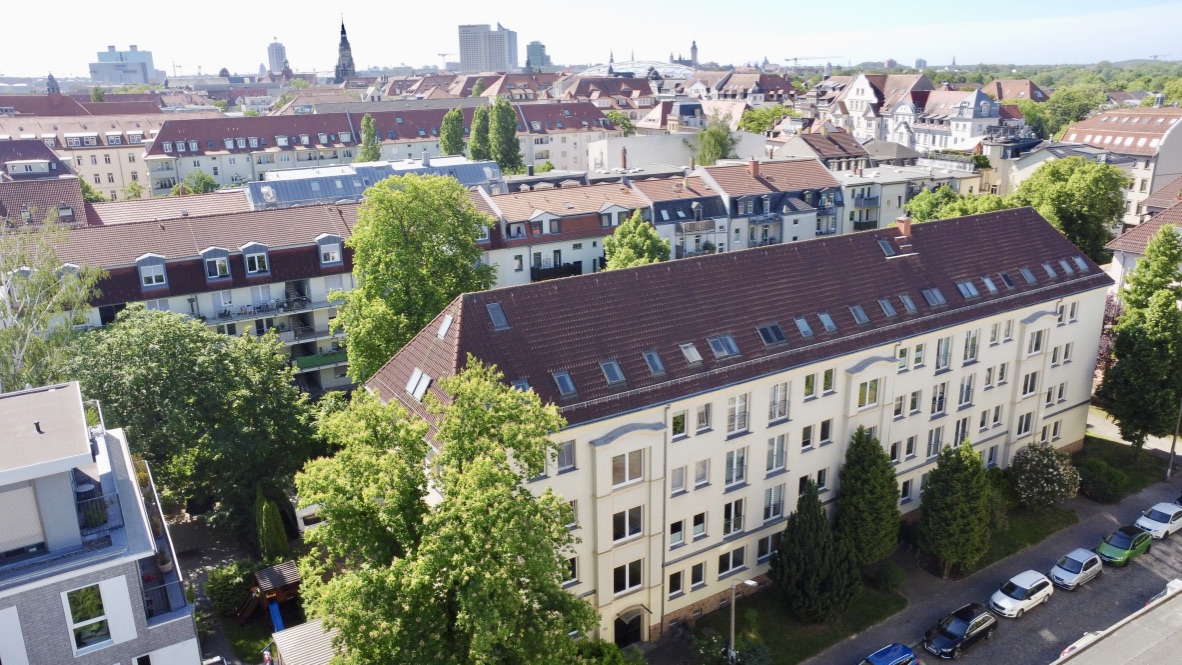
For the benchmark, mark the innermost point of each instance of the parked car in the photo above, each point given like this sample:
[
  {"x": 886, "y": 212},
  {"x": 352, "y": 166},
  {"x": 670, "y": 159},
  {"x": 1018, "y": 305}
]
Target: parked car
[
  {"x": 960, "y": 630},
  {"x": 894, "y": 654},
  {"x": 1124, "y": 545},
  {"x": 1022, "y": 592},
  {"x": 1161, "y": 520},
  {"x": 1076, "y": 568}
]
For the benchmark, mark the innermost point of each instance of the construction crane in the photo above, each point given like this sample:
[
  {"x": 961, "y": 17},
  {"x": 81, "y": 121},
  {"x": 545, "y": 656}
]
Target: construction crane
[
  {"x": 796, "y": 61},
  {"x": 443, "y": 56},
  {"x": 1155, "y": 56}
]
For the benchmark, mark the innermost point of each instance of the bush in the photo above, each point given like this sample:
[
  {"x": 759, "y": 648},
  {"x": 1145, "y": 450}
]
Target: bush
[
  {"x": 229, "y": 585},
  {"x": 1003, "y": 483},
  {"x": 1043, "y": 476},
  {"x": 889, "y": 577},
  {"x": 1100, "y": 482}
]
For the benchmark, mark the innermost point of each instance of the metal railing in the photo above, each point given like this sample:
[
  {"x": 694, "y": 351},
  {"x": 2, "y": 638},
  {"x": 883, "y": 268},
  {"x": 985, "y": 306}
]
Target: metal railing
[
  {"x": 733, "y": 525},
  {"x": 320, "y": 360},
  {"x": 865, "y": 201},
  {"x": 736, "y": 422},
  {"x": 165, "y": 598},
  {"x": 98, "y": 516}
]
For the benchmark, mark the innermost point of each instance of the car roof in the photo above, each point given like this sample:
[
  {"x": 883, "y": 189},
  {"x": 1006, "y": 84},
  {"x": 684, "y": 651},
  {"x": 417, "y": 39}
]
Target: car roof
[
  {"x": 1080, "y": 554},
  {"x": 1165, "y": 507},
  {"x": 969, "y": 612},
  {"x": 891, "y": 654},
  {"x": 1130, "y": 531},
  {"x": 1027, "y": 579}
]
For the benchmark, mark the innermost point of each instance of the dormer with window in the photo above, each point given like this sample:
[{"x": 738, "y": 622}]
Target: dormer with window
[
  {"x": 329, "y": 247},
  {"x": 303, "y": 139},
  {"x": 152, "y": 271},
  {"x": 257, "y": 258},
  {"x": 281, "y": 141},
  {"x": 217, "y": 264},
  {"x": 229, "y": 143}
]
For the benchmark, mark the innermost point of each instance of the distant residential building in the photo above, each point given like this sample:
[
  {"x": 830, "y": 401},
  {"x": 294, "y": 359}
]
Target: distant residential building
[
  {"x": 345, "y": 68},
  {"x": 483, "y": 49},
  {"x": 535, "y": 53},
  {"x": 131, "y": 67},
  {"x": 1012, "y": 90},
  {"x": 88, "y": 572},
  {"x": 838, "y": 150},
  {"x": 889, "y": 63},
  {"x": 920, "y": 63},
  {"x": 276, "y": 57}
]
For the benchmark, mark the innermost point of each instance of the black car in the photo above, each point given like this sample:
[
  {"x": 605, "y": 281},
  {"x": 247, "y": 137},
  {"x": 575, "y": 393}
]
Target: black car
[{"x": 959, "y": 631}]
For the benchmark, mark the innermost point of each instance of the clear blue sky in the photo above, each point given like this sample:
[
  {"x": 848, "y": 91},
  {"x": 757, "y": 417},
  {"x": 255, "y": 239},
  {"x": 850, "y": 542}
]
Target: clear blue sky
[{"x": 235, "y": 35}]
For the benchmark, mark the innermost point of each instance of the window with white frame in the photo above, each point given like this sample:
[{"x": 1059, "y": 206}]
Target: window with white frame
[
  {"x": 898, "y": 408},
  {"x": 902, "y": 355},
  {"x": 256, "y": 263},
  {"x": 1002, "y": 370},
  {"x": 704, "y": 417},
  {"x": 698, "y": 526},
  {"x": 88, "y": 618},
  {"x": 773, "y": 502},
  {"x": 938, "y": 398},
  {"x": 806, "y": 437},
  {"x": 732, "y": 560},
  {"x": 777, "y": 447},
  {"x": 943, "y": 353},
  {"x": 566, "y": 456},
  {"x": 676, "y": 587},
  {"x": 970, "y": 345},
  {"x": 1073, "y": 311},
  {"x": 983, "y": 424},
  {"x": 961, "y": 431},
  {"x": 826, "y": 433},
  {"x": 1056, "y": 429},
  {"x": 810, "y": 386},
  {"x": 996, "y": 415},
  {"x": 679, "y": 423},
  {"x": 732, "y": 517},
  {"x": 909, "y": 446},
  {"x": 330, "y": 253},
  {"x": 736, "y": 467},
  {"x": 698, "y": 575},
  {"x": 701, "y": 473},
  {"x": 1029, "y": 384},
  {"x": 627, "y": 577},
  {"x": 159, "y": 304},
  {"x": 935, "y": 441},
  {"x": 217, "y": 268},
  {"x": 966, "y": 390},
  {"x": 914, "y": 401},
  {"x": 1060, "y": 313},
  {"x": 994, "y": 333},
  {"x": 677, "y": 480},
  {"x": 1035, "y": 344},
  {"x": 768, "y": 545},
  {"x": 917, "y": 357},
  {"x": 1008, "y": 330},
  {"x": 627, "y": 523},
  {"x": 828, "y": 381},
  {"x": 1061, "y": 392},
  {"x": 778, "y": 404},
  {"x": 905, "y": 491},
  {"x": 627, "y": 468},
  {"x": 868, "y": 393},
  {"x": 152, "y": 275},
  {"x": 676, "y": 533},
  {"x": 1067, "y": 352},
  {"x": 822, "y": 480},
  {"x": 736, "y": 414},
  {"x": 1024, "y": 422}
]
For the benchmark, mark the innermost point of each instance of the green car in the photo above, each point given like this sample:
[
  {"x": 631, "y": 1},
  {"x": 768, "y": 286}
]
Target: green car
[{"x": 1124, "y": 545}]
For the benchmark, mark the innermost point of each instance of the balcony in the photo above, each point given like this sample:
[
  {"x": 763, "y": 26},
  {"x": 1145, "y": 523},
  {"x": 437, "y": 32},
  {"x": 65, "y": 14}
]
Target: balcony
[
  {"x": 304, "y": 363},
  {"x": 162, "y": 167},
  {"x": 164, "y": 594},
  {"x": 565, "y": 270},
  {"x": 765, "y": 218},
  {"x": 306, "y": 334},
  {"x": 866, "y": 225},
  {"x": 825, "y": 208},
  {"x": 683, "y": 253},
  {"x": 865, "y": 201},
  {"x": 275, "y": 307}
]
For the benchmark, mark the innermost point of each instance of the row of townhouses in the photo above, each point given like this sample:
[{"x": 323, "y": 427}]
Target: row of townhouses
[{"x": 699, "y": 393}]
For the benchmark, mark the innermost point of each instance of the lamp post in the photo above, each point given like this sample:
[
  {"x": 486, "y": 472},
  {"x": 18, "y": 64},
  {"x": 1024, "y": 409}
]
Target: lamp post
[
  {"x": 1174, "y": 442},
  {"x": 730, "y": 649}
]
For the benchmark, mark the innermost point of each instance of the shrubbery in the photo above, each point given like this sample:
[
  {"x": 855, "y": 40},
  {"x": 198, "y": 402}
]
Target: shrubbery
[
  {"x": 889, "y": 577},
  {"x": 228, "y": 585},
  {"x": 1100, "y": 482}
]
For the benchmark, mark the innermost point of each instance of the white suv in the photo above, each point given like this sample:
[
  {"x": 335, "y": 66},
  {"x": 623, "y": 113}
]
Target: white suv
[{"x": 1022, "y": 592}]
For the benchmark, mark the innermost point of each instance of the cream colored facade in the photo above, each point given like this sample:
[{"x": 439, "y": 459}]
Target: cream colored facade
[{"x": 712, "y": 474}]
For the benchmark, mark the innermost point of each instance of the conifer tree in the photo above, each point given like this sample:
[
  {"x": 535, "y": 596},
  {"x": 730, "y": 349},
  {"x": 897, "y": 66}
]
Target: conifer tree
[
  {"x": 1157, "y": 269},
  {"x": 478, "y": 147},
  {"x": 369, "y": 150},
  {"x": 954, "y": 524},
  {"x": 868, "y": 500},
  {"x": 451, "y": 133},
  {"x": 272, "y": 537},
  {"x": 502, "y": 137}
]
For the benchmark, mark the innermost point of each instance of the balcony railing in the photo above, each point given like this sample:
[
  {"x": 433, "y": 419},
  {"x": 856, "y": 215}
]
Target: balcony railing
[
  {"x": 564, "y": 270},
  {"x": 98, "y": 516},
  {"x": 683, "y": 253},
  {"x": 736, "y": 422},
  {"x": 273, "y": 308},
  {"x": 865, "y": 201},
  {"x": 165, "y": 598},
  {"x": 302, "y": 333},
  {"x": 866, "y": 225},
  {"x": 765, "y": 218},
  {"x": 321, "y": 360},
  {"x": 734, "y": 525}
]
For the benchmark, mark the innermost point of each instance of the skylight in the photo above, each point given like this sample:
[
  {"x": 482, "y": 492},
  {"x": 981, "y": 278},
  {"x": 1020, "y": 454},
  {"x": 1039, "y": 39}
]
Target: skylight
[
  {"x": 887, "y": 307},
  {"x": 654, "y": 362},
  {"x": 566, "y": 385},
  {"x": 967, "y": 289},
  {"x": 498, "y": 316},
  {"x": 827, "y": 321},
  {"x": 859, "y": 315},
  {"x": 691, "y": 353},
  {"x": 989, "y": 284},
  {"x": 521, "y": 384},
  {"x": 1005, "y": 277},
  {"x": 886, "y": 247},
  {"x": 1083, "y": 267},
  {"x": 723, "y": 346},
  {"x": 771, "y": 334},
  {"x": 417, "y": 385},
  {"x": 803, "y": 327},
  {"x": 1050, "y": 271},
  {"x": 444, "y": 326},
  {"x": 908, "y": 303},
  {"x": 611, "y": 371},
  {"x": 934, "y": 297},
  {"x": 1066, "y": 267},
  {"x": 1026, "y": 274}
]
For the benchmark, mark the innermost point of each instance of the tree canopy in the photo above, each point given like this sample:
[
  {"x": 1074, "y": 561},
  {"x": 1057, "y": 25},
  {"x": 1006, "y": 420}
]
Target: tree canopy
[
  {"x": 414, "y": 251},
  {"x": 762, "y": 119},
  {"x": 216, "y": 416},
  {"x": 502, "y": 137},
  {"x": 944, "y": 203},
  {"x": 1156, "y": 270},
  {"x": 621, "y": 121},
  {"x": 476, "y": 578},
  {"x": 954, "y": 521},
  {"x": 868, "y": 500},
  {"x": 370, "y": 149},
  {"x": 634, "y": 243},
  {"x": 1082, "y": 199},
  {"x": 97, "y": 94},
  {"x": 1043, "y": 476},
  {"x": 477, "y": 88},
  {"x": 451, "y": 133},
  {"x": 40, "y": 302},
  {"x": 133, "y": 190},
  {"x": 715, "y": 141},
  {"x": 90, "y": 194},
  {"x": 478, "y": 145},
  {"x": 197, "y": 182}
]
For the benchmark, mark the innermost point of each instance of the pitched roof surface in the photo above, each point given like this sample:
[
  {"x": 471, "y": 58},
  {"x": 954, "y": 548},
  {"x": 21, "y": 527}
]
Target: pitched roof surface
[
  {"x": 1136, "y": 131},
  {"x": 1167, "y": 195},
  {"x": 167, "y": 207},
  {"x": 784, "y": 176},
  {"x": 576, "y": 323},
  {"x": 1008, "y": 90},
  {"x": 43, "y": 105},
  {"x": 1137, "y": 238},
  {"x": 565, "y": 201},
  {"x": 830, "y": 145},
  {"x": 16, "y": 150},
  {"x": 306, "y": 644},
  {"x": 41, "y": 196}
]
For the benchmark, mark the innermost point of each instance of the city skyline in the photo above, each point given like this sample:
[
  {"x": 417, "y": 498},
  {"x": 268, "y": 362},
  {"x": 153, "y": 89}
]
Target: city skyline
[{"x": 1019, "y": 33}]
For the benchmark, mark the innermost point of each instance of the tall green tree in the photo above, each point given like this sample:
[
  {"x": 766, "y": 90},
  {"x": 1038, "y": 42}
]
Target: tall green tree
[
  {"x": 40, "y": 303},
  {"x": 216, "y": 416},
  {"x": 502, "y": 137},
  {"x": 1072, "y": 104},
  {"x": 954, "y": 521},
  {"x": 451, "y": 133},
  {"x": 369, "y": 150},
  {"x": 90, "y": 194},
  {"x": 1145, "y": 384},
  {"x": 478, "y": 145},
  {"x": 133, "y": 190},
  {"x": 926, "y": 206},
  {"x": 197, "y": 182},
  {"x": 414, "y": 251},
  {"x": 1082, "y": 199},
  {"x": 477, "y": 88},
  {"x": 480, "y": 582},
  {"x": 634, "y": 243},
  {"x": 1043, "y": 476},
  {"x": 868, "y": 500},
  {"x": 715, "y": 141},
  {"x": 763, "y": 118},
  {"x": 1036, "y": 117},
  {"x": 97, "y": 94},
  {"x": 621, "y": 121},
  {"x": 300, "y": 84},
  {"x": 272, "y": 539},
  {"x": 816, "y": 576},
  {"x": 1156, "y": 270}
]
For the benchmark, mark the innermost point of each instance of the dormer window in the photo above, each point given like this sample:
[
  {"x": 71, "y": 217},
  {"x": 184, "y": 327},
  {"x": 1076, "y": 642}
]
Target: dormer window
[
  {"x": 241, "y": 143},
  {"x": 303, "y": 139},
  {"x": 192, "y": 146},
  {"x": 167, "y": 145},
  {"x": 346, "y": 137},
  {"x": 229, "y": 143},
  {"x": 256, "y": 263},
  {"x": 180, "y": 146},
  {"x": 330, "y": 253},
  {"x": 254, "y": 142},
  {"x": 217, "y": 268},
  {"x": 152, "y": 271},
  {"x": 281, "y": 141}
]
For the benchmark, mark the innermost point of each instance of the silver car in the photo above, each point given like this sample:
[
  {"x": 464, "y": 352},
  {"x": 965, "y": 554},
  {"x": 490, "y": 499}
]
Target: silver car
[{"x": 1076, "y": 568}]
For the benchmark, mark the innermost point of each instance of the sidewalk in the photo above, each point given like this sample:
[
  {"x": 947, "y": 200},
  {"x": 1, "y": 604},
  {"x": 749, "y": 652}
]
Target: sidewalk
[{"x": 1100, "y": 425}]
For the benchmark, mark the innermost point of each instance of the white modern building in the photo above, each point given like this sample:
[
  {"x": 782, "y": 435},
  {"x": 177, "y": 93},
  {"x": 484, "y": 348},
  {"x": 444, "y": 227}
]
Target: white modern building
[
  {"x": 483, "y": 49},
  {"x": 130, "y": 67},
  {"x": 276, "y": 57}
]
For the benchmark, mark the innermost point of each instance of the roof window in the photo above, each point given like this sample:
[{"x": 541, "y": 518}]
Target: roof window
[
  {"x": 771, "y": 334},
  {"x": 521, "y": 384},
  {"x": 1050, "y": 271},
  {"x": 417, "y": 386},
  {"x": 654, "y": 362},
  {"x": 444, "y": 326},
  {"x": 1066, "y": 267},
  {"x": 566, "y": 385},
  {"x": 908, "y": 303},
  {"x": 886, "y": 246},
  {"x": 497, "y": 314},
  {"x": 611, "y": 371},
  {"x": 1006, "y": 279},
  {"x": 860, "y": 317},
  {"x": 691, "y": 353},
  {"x": 967, "y": 289},
  {"x": 887, "y": 307},
  {"x": 1083, "y": 267},
  {"x": 1026, "y": 274},
  {"x": 934, "y": 297},
  {"x": 827, "y": 321},
  {"x": 989, "y": 284},
  {"x": 803, "y": 326},
  {"x": 723, "y": 346}
]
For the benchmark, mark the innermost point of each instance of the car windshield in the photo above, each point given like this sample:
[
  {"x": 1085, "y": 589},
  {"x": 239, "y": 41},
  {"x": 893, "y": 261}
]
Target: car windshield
[
  {"x": 1157, "y": 516},
  {"x": 953, "y": 627},
  {"x": 1070, "y": 565},
  {"x": 1014, "y": 591},
  {"x": 1119, "y": 540}
]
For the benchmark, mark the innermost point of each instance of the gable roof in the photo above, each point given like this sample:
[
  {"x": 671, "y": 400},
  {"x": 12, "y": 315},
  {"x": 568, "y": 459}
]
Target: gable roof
[
  {"x": 39, "y": 197},
  {"x": 43, "y": 104},
  {"x": 564, "y": 201},
  {"x": 834, "y": 145},
  {"x": 30, "y": 149},
  {"x": 780, "y": 176},
  {"x": 1008, "y": 90},
  {"x": 1136, "y": 239},
  {"x": 167, "y": 207},
  {"x": 574, "y": 324},
  {"x": 1136, "y": 131},
  {"x": 1167, "y": 195}
]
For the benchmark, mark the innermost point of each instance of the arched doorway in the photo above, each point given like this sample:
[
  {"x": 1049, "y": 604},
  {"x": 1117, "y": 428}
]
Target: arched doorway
[{"x": 629, "y": 628}]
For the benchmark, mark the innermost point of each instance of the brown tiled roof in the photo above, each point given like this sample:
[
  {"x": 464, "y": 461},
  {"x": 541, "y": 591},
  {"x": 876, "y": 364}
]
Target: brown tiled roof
[
  {"x": 1010, "y": 111},
  {"x": 834, "y": 145},
  {"x": 673, "y": 189},
  {"x": 122, "y": 108},
  {"x": 785, "y": 176},
  {"x": 39, "y": 196},
  {"x": 1136, "y": 131},
  {"x": 1167, "y": 195},
  {"x": 18, "y": 149},
  {"x": 1137, "y": 238},
  {"x": 167, "y": 207},
  {"x": 122, "y": 125},
  {"x": 1010, "y": 90},
  {"x": 574, "y": 324},
  {"x": 565, "y": 201},
  {"x": 43, "y": 105}
]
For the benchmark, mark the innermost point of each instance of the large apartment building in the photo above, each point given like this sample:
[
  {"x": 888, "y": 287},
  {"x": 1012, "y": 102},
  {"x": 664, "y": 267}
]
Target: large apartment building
[
  {"x": 88, "y": 574},
  {"x": 699, "y": 393}
]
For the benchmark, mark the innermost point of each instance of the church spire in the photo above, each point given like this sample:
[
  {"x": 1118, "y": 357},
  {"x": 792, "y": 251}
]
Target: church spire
[
  {"x": 611, "y": 57},
  {"x": 345, "y": 68}
]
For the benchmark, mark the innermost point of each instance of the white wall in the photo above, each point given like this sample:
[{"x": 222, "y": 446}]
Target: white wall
[{"x": 662, "y": 150}]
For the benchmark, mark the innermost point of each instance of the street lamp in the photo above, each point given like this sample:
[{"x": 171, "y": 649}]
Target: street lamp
[{"x": 730, "y": 651}]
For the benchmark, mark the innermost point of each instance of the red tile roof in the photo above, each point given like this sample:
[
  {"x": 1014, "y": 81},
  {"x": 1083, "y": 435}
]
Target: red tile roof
[
  {"x": 785, "y": 176},
  {"x": 1010, "y": 90},
  {"x": 574, "y": 324},
  {"x": 39, "y": 197},
  {"x": 1166, "y": 196},
  {"x": 565, "y": 201},
  {"x": 1009, "y": 112},
  {"x": 43, "y": 105},
  {"x": 167, "y": 207},
  {"x": 1137, "y": 238},
  {"x": 122, "y": 108},
  {"x": 1136, "y": 131},
  {"x": 835, "y": 145}
]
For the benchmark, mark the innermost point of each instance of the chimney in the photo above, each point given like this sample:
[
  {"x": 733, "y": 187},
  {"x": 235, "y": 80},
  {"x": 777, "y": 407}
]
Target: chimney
[
  {"x": 37, "y": 425},
  {"x": 1159, "y": 100},
  {"x": 693, "y": 163},
  {"x": 426, "y": 158},
  {"x": 529, "y": 169},
  {"x": 133, "y": 48},
  {"x": 624, "y": 158},
  {"x": 904, "y": 225},
  {"x": 753, "y": 168},
  {"x": 110, "y": 49}
]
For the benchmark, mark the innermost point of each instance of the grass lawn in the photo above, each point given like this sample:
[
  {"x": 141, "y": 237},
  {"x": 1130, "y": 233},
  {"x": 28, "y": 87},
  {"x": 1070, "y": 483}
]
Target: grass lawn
[
  {"x": 248, "y": 641},
  {"x": 1027, "y": 527},
  {"x": 1151, "y": 469},
  {"x": 791, "y": 642}
]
